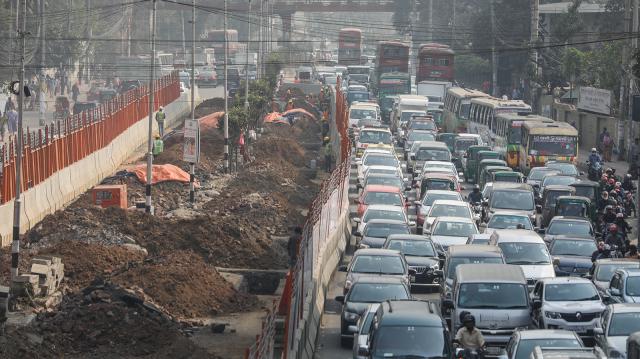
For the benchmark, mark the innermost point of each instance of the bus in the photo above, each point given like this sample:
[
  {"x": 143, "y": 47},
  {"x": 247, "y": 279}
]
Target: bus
[
  {"x": 393, "y": 56},
  {"x": 547, "y": 141},
  {"x": 217, "y": 39},
  {"x": 508, "y": 134},
  {"x": 349, "y": 46},
  {"x": 483, "y": 113},
  {"x": 435, "y": 63},
  {"x": 391, "y": 84},
  {"x": 457, "y": 103}
]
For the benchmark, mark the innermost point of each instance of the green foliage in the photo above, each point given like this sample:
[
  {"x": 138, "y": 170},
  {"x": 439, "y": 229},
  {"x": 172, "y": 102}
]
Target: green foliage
[
  {"x": 472, "y": 69},
  {"x": 573, "y": 62},
  {"x": 273, "y": 66},
  {"x": 568, "y": 24},
  {"x": 400, "y": 17},
  {"x": 238, "y": 121}
]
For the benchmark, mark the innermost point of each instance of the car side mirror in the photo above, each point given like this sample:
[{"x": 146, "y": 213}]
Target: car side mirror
[
  {"x": 412, "y": 271},
  {"x": 357, "y": 220},
  {"x": 537, "y": 304},
  {"x": 541, "y": 230},
  {"x": 556, "y": 261},
  {"x": 614, "y": 292},
  {"x": 538, "y": 208},
  {"x": 352, "y": 329},
  {"x": 598, "y": 331},
  {"x": 413, "y": 157},
  {"x": 482, "y": 225},
  {"x": 340, "y": 298},
  {"x": 581, "y": 173},
  {"x": 448, "y": 304},
  {"x": 438, "y": 273},
  {"x": 342, "y": 268},
  {"x": 587, "y": 276}
]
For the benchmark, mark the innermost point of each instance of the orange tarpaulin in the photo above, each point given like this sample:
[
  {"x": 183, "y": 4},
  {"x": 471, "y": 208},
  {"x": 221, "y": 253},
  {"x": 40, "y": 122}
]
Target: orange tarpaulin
[
  {"x": 299, "y": 111},
  {"x": 211, "y": 120},
  {"x": 161, "y": 173}
]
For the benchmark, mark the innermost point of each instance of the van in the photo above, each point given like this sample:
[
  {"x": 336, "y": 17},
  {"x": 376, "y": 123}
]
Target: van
[
  {"x": 464, "y": 254},
  {"x": 496, "y": 295},
  {"x": 526, "y": 249},
  {"x": 406, "y": 105}
]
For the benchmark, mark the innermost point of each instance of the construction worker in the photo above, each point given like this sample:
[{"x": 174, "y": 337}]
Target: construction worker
[
  {"x": 327, "y": 154},
  {"x": 325, "y": 125},
  {"x": 160, "y": 116},
  {"x": 158, "y": 146},
  {"x": 290, "y": 106}
]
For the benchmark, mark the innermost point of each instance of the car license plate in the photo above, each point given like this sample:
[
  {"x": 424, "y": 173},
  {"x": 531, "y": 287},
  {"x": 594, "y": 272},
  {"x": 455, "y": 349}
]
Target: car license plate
[
  {"x": 579, "y": 329},
  {"x": 412, "y": 278}
]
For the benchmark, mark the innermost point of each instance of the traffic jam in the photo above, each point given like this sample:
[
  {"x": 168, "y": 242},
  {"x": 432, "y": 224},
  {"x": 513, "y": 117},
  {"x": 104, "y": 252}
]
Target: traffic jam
[{"x": 479, "y": 203}]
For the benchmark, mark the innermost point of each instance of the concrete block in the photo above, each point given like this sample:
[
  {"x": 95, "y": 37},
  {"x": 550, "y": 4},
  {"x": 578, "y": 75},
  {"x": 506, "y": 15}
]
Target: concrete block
[
  {"x": 52, "y": 259},
  {"x": 40, "y": 269},
  {"x": 45, "y": 262},
  {"x": 26, "y": 284}
]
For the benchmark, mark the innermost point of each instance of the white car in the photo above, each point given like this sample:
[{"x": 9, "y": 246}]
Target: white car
[
  {"x": 618, "y": 322},
  {"x": 439, "y": 166},
  {"x": 451, "y": 231},
  {"x": 424, "y": 206},
  {"x": 377, "y": 159},
  {"x": 359, "y": 112},
  {"x": 447, "y": 208},
  {"x": 506, "y": 220},
  {"x": 380, "y": 211},
  {"x": 384, "y": 170}
]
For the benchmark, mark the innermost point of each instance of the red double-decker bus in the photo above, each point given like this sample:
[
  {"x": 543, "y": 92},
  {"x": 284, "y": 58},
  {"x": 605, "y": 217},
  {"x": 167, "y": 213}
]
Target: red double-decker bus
[
  {"x": 217, "y": 42},
  {"x": 349, "y": 46},
  {"x": 393, "y": 56},
  {"x": 435, "y": 63}
]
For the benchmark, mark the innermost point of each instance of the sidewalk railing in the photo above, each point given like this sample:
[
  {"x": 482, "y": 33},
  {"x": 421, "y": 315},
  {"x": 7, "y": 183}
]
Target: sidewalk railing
[{"x": 68, "y": 141}]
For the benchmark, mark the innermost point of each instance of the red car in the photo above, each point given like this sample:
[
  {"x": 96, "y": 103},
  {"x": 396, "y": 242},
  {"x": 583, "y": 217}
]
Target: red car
[{"x": 379, "y": 194}]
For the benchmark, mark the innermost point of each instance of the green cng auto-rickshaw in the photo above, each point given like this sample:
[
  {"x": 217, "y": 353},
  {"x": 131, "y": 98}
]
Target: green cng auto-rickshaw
[{"x": 470, "y": 166}]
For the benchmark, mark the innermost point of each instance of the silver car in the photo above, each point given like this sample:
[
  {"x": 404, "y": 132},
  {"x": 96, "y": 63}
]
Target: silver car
[
  {"x": 523, "y": 342},
  {"x": 604, "y": 269},
  {"x": 617, "y": 323},
  {"x": 449, "y": 231}
]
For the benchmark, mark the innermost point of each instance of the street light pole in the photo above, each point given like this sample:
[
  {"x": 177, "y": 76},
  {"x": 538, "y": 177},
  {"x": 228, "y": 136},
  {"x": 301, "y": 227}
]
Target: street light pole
[
  {"x": 226, "y": 93},
  {"x": 246, "y": 71},
  {"x": 151, "y": 108},
  {"x": 192, "y": 165},
  {"x": 43, "y": 32}
]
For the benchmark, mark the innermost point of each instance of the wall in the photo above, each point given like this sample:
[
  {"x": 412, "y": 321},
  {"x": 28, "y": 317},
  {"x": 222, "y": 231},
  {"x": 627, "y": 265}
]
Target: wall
[{"x": 65, "y": 185}]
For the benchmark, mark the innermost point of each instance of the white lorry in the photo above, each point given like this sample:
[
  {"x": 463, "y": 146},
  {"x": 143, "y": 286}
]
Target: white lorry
[{"x": 433, "y": 90}]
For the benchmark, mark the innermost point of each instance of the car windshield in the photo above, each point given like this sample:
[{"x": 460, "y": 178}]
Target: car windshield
[
  {"x": 568, "y": 169},
  {"x": 623, "y": 324},
  {"x": 538, "y": 174},
  {"x": 633, "y": 286},
  {"x": 357, "y": 96},
  {"x": 519, "y": 200},
  {"x": 368, "y": 123},
  {"x": 422, "y": 125},
  {"x": 562, "y": 247},
  {"x": 439, "y": 184},
  {"x": 454, "y": 229},
  {"x": 385, "y": 181},
  {"x": 375, "y": 137},
  {"x": 558, "y": 180},
  {"x": 378, "y": 264},
  {"x": 432, "y": 154},
  {"x": 569, "y": 228},
  {"x": 380, "y": 160},
  {"x": 492, "y": 296},
  {"x": 604, "y": 272},
  {"x": 362, "y": 114},
  {"x": 551, "y": 145},
  {"x": 462, "y": 144},
  {"x": 429, "y": 198},
  {"x": 383, "y": 214},
  {"x": 408, "y": 341},
  {"x": 420, "y": 136},
  {"x": 525, "y": 253},
  {"x": 567, "y": 292},
  {"x": 447, "y": 210},
  {"x": 412, "y": 247},
  {"x": 586, "y": 191},
  {"x": 505, "y": 221},
  {"x": 383, "y": 230},
  {"x": 456, "y": 261},
  {"x": 552, "y": 196},
  {"x": 525, "y": 346},
  {"x": 376, "y": 292},
  {"x": 391, "y": 198},
  {"x": 386, "y": 171},
  {"x": 406, "y": 115}
]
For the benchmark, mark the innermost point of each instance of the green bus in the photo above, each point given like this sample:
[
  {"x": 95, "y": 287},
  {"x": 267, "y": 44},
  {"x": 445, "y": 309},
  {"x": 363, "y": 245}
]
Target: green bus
[{"x": 390, "y": 85}]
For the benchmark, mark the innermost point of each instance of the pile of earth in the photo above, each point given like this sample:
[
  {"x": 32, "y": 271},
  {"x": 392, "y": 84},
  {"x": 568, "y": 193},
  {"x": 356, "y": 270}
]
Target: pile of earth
[{"x": 209, "y": 106}]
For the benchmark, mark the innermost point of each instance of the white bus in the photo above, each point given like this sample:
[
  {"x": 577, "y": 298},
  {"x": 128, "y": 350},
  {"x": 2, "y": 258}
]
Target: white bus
[
  {"x": 457, "y": 102},
  {"x": 483, "y": 114}
]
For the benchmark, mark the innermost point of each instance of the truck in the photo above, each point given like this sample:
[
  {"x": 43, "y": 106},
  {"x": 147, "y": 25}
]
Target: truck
[{"x": 434, "y": 90}]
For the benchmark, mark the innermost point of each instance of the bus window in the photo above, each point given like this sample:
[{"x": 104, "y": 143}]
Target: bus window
[{"x": 443, "y": 62}]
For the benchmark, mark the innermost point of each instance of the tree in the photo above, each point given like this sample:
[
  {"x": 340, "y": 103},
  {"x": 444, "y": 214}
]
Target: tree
[{"x": 401, "y": 17}]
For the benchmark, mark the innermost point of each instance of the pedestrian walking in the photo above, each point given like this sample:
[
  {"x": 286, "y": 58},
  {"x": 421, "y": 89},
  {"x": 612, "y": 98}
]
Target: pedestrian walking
[
  {"x": 12, "y": 117},
  {"x": 292, "y": 246},
  {"x": 634, "y": 157},
  {"x": 607, "y": 144},
  {"x": 75, "y": 92},
  {"x": 327, "y": 154},
  {"x": 9, "y": 105},
  {"x": 3, "y": 126},
  {"x": 160, "y": 116}
]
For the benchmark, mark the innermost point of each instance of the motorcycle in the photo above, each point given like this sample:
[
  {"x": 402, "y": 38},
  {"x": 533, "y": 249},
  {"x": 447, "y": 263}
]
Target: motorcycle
[
  {"x": 629, "y": 204},
  {"x": 595, "y": 170}
]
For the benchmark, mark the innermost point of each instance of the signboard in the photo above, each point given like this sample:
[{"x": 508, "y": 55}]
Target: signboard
[
  {"x": 594, "y": 100},
  {"x": 191, "y": 150}
]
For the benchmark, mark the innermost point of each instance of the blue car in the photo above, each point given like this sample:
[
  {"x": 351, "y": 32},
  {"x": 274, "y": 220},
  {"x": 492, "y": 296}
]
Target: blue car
[{"x": 571, "y": 256}]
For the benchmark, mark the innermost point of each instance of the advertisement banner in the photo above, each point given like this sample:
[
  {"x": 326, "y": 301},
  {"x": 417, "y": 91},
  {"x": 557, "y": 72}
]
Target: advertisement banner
[
  {"x": 594, "y": 100},
  {"x": 191, "y": 150}
]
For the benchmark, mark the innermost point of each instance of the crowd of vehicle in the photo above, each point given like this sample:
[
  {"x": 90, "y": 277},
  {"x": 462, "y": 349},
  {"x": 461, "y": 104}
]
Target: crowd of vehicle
[{"x": 535, "y": 261}]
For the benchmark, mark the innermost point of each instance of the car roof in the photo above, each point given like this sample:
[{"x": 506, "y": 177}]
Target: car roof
[
  {"x": 512, "y": 186},
  {"x": 479, "y": 250},
  {"x": 439, "y": 163},
  {"x": 450, "y": 202},
  {"x": 470, "y": 135},
  {"x": 361, "y": 105},
  {"x": 617, "y": 260},
  {"x": 454, "y": 219},
  {"x": 442, "y": 191},
  {"x": 439, "y": 175},
  {"x": 433, "y": 144},
  {"x": 378, "y": 279},
  {"x": 562, "y": 280},
  {"x": 631, "y": 272},
  {"x": 376, "y": 252},
  {"x": 489, "y": 272},
  {"x": 546, "y": 334},
  {"x": 384, "y": 221},
  {"x": 625, "y": 307},
  {"x": 410, "y": 312},
  {"x": 385, "y": 207},
  {"x": 375, "y": 129},
  {"x": 381, "y": 188},
  {"x": 508, "y": 213},
  {"x": 408, "y": 237},
  {"x": 558, "y": 187},
  {"x": 569, "y": 219},
  {"x": 571, "y": 238},
  {"x": 516, "y": 235}
]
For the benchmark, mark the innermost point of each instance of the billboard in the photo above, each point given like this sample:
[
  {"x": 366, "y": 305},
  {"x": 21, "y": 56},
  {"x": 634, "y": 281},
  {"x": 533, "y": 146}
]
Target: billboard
[
  {"x": 594, "y": 100},
  {"x": 191, "y": 149}
]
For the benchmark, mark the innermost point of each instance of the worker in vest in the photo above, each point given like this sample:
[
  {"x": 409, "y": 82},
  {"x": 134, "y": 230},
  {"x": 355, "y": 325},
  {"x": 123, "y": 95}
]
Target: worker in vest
[
  {"x": 158, "y": 146},
  {"x": 327, "y": 154},
  {"x": 160, "y": 116}
]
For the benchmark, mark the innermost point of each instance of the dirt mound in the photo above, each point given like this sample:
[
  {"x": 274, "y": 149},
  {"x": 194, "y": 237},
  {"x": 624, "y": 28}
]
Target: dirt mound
[
  {"x": 209, "y": 106},
  {"x": 183, "y": 284},
  {"x": 102, "y": 321},
  {"x": 281, "y": 149}
]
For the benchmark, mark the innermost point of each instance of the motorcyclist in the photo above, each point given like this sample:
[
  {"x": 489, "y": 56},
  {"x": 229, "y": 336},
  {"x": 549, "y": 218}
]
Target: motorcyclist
[
  {"x": 469, "y": 337},
  {"x": 614, "y": 238},
  {"x": 475, "y": 196},
  {"x": 623, "y": 225},
  {"x": 601, "y": 252},
  {"x": 609, "y": 215},
  {"x": 627, "y": 183},
  {"x": 594, "y": 157}
]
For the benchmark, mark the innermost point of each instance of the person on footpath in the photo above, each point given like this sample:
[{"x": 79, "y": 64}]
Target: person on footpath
[
  {"x": 75, "y": 92},
  {"x": 9, "y": 105},
  {"x": 12, "y": 118},
  {"x": 327, "y": 154},
  {"x": 160, "y": 116},
  {"x": 634, "y": 157},
  {"x": 606, "y": 142},
  {"x": 292, "y": 246}
]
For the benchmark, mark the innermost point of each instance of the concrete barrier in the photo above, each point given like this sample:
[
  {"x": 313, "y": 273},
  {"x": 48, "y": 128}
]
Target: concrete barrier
[{"x": 67, "y": 184}]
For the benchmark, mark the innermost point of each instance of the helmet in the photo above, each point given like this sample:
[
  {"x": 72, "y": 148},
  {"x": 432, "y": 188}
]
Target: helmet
[
  {"x": 628, "y": 176},
  {"x": 161, "y": 108},
  {"x": 618, "y": 184},
  {"x": 613, "y": 228},
  {"x": 594, "y": 149},
  {"x": 608, "y": 170},
  {"x": 327, "y": 138},
  {"x": 609, "y": 207},
  {"x": 619, "y": 215},
  {"x": 476, "y": 187},
  {"x": 469, "y": 318},
  {"x": 612, "y": 181}
]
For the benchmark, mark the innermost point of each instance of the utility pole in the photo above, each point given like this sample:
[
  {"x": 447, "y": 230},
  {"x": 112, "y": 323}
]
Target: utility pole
[
  {"x": 430, "y": 21},
  {"x": 535, "y": 21},
  {"x": 260, "y": 40},
  {"x": 151, "y": 108},
  {"x": 43, "y": 32},
  {"x": 17, "y": 204},
  {"x": 494, "y": 56},
  {"x": 192, "y": 165},
  {"x": 184, "y": 35},
  {"x": 246, "y": 71},
  {"x": 453, "y": 23},
  {"x": 226, "y": 93}
]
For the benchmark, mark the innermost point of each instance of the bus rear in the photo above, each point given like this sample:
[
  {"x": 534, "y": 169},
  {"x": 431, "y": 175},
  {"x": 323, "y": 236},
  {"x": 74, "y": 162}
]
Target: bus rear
[
  {"x": 349, "y": 46},
  {"x": 543, "y": 142}
]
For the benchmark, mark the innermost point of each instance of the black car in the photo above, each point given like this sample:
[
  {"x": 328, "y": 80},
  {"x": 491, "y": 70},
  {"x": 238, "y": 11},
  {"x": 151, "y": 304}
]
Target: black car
[
  {"x": 421, "y": 254},
  {"x": 367, "y": 290},
  {"x": 575, "y": 227},
  {"x": 571, "y": 256}
]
